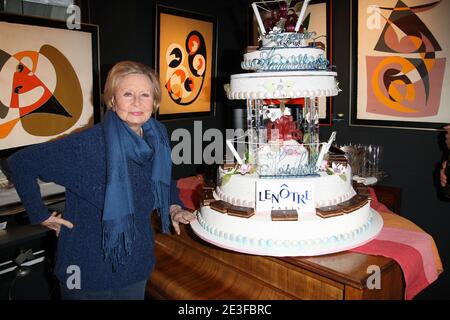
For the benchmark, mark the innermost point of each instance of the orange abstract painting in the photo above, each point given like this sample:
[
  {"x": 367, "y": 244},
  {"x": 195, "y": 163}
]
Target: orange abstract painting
[
  {"x": 46, "y": 83},
  {"x": 402, "y": 62},
  {"x": 185, "y": 63}
]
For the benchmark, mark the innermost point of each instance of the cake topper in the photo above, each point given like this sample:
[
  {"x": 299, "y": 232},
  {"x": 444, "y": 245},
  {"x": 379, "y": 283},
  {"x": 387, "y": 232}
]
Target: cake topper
[
  {"x": 325, "y": 149},
  {"x": 301, "y": 15},
  {"x": 284, "y": 17}
]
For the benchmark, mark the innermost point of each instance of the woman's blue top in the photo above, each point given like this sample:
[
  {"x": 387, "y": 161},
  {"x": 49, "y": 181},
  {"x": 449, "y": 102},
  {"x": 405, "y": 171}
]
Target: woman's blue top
[{"x": 78, "y": 163}]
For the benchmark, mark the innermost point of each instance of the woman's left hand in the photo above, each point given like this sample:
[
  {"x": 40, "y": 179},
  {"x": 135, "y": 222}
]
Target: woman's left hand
[{"x": 179, "y": 215}]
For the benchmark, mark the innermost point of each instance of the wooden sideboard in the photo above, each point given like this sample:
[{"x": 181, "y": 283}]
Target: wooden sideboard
[{"x": 190, "y": 268}]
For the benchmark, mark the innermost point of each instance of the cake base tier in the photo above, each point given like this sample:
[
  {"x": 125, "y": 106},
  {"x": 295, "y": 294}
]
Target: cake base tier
[{"x": 267, "y": 247}]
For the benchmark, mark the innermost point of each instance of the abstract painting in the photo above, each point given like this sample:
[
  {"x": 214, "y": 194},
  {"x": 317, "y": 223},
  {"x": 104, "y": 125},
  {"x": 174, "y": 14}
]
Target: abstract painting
[
  {"x": 185, "y": 62},
  {"x": 48, "y": 80},
  {"x": 402, "y": 66}
]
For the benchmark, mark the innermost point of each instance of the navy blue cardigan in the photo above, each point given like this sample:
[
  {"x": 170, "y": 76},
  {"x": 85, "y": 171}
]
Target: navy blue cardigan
[{"x": 77, "y": 162}]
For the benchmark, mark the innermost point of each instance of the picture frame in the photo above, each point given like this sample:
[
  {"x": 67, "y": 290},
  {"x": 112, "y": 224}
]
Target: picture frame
[
  {"x": 320, "y": 21},
  {"x": 185, "y": 59},
  {"x": 398, "y": 80},
  {"x": 49, "y": 80}
]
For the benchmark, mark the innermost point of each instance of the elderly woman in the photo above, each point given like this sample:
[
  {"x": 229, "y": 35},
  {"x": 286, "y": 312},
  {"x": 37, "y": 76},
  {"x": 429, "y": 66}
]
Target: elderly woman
[{"x": 115, "y": 174}]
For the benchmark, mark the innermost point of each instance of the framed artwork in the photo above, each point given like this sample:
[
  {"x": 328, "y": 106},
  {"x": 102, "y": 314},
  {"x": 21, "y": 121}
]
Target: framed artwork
[
  {"x": 49, "y": 80},
  {"x": 318, "y": 18},
  {"x": 186, "y": 63},
  {"x": 400, "y": 60}
]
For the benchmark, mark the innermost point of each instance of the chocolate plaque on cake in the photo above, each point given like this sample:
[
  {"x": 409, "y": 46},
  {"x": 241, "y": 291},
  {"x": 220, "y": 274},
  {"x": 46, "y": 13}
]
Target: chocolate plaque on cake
[
  {"x": 207, "y": 197},
  {"x": 238, "y": 211},
  {"x": 329, "y": 211},
  {"x": 363, "y": 190},
  {"x": 284, "y": 215},
  {"x": 220, "y": 206},
  {"x": 228, "y": 166},
  {"x": 354, "y": 203},
  {"x": 337, "y": 158}
]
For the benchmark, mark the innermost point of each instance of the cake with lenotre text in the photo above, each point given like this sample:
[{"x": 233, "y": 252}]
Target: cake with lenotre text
[{"x": 285, "y": 193}]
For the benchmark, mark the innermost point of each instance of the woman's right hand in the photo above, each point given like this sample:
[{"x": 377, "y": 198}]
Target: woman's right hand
[
  {"x": 443, "y": 176},
  {"x": 55, "y": 221}
]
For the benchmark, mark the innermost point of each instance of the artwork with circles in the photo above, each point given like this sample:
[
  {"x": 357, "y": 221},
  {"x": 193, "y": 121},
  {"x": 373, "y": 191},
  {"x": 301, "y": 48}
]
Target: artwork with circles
[{"x": 185, "y": 62}]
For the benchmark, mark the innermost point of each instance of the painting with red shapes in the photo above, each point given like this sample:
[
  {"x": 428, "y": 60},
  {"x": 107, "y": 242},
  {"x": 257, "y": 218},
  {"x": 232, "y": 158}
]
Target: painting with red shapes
[
  {"x": 402, "y": 65},
  {"x": 185, "y": 62},
  {"x": 48, "y": 81}
]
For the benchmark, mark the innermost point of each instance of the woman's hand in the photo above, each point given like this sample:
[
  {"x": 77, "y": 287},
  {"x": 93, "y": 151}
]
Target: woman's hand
[
  {"x": 55, "y": 221},
  {"x": 442, "y": 175},
  {"x": 179, "y": 215}
]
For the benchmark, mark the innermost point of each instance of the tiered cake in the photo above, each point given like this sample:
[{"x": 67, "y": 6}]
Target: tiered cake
[{"x": 287, "y": 195}]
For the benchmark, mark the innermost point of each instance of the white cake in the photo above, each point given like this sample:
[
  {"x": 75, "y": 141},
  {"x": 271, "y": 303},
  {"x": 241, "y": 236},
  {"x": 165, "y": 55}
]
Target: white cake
[
  {"x": 286, "y": 84},
  {"x": 308, "y": 194},
  {"x": 329, "y": 189},
  {"x": 286, "y": 68},
  {"x": 286, "y": 72},
  {"x": 308, "y": 236}
]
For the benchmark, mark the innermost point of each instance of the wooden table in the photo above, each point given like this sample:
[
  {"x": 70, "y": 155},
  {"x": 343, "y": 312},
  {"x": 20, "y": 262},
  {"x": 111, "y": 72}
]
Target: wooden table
[{"x": 190, "y": 268}]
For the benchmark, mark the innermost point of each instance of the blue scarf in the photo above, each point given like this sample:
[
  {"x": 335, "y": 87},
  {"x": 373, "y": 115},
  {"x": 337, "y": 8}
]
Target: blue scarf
[{"x": 152, "y": 152}]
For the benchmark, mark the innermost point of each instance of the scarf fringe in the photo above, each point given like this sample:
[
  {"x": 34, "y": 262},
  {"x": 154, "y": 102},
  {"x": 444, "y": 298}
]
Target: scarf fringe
[
  {"x": 118, "y": 243},
  {"x": 162, "y": 194}
]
